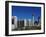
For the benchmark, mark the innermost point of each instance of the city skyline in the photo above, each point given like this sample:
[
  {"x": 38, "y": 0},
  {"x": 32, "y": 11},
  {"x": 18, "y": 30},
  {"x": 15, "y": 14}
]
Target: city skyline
[
  {"x": 24, "y": 24},
  {"x": 24, "y": 12}
]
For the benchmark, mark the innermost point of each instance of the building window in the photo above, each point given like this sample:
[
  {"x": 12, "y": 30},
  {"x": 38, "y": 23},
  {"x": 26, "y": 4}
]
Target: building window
[{"x": 12, "y": 21}]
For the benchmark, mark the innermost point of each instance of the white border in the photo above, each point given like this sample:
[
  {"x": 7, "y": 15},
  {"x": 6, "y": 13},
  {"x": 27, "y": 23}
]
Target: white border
[{"x": 28, "y": 31}]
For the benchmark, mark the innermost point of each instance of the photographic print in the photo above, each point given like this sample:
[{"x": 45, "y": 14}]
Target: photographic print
[{"x": 24, "y": 18}]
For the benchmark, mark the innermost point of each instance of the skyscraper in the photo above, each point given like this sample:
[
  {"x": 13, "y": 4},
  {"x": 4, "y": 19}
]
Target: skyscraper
[
  {"x": 29, "y": 22},
  {"x": 14, "y": 22},
  {"x": 25, "y": 22},
  {"x": 39, "y": 21},
  {"x": 33, "y": 18}
]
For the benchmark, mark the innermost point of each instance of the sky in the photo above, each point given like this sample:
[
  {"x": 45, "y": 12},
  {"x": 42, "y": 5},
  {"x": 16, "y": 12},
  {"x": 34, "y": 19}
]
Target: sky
[{"x": 25, "y": 12}]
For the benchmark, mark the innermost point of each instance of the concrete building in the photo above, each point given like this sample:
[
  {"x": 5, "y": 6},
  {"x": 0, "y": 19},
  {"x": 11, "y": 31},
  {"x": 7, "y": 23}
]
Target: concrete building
[
  {"x": 19, "y": 23},
  {"x": 39, "y": 21},
  {"x": 25, "y": 22},
  {"x": 29, "y": 22},
  {"x": 14, "y": 22}
]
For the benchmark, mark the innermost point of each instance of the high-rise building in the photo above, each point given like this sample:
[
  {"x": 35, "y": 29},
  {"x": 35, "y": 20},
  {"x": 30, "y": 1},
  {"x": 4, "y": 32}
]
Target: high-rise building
[
  {"x": 39, "y": 21},
  {"x": 14, "y": 22},
  {"x": 25, "y": 22},
  {"x": 29, "y": 22},
  {"x": 20, "y": 23},
  {"x": 33, "y": 18}
]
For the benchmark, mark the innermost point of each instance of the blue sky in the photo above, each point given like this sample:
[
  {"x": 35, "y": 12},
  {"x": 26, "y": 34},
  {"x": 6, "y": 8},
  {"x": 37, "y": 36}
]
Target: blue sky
[{"x": 23, "y": 12}]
